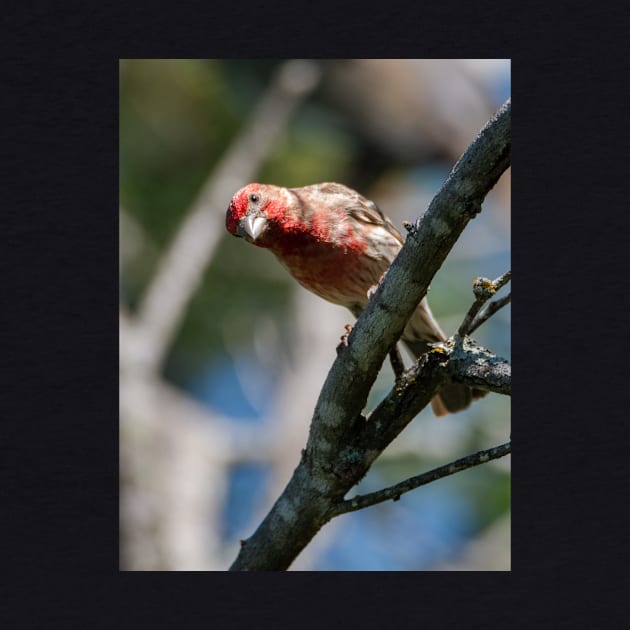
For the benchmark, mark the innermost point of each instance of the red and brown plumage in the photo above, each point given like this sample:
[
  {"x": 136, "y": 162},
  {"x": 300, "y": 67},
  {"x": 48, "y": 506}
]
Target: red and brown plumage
[{"x": 337, "y": 244}]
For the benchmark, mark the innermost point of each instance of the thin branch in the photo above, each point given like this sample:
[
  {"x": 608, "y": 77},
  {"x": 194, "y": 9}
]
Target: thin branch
[
  {"x": 396, "y": 360},
  {"x": 394, "y": 493},
  {"x": 181, "y": 268},
  {"x": 489, "y": 311},
  {"x": 410, "y": 394}
]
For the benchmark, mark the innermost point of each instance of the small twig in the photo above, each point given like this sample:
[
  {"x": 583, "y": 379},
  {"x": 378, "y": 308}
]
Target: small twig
[
  {"x": 484, "y": 289},
  {"x": 410, "y": 227},
  {"x": 488, "y": 312},
  {"x": 394, "y": 492},
  {"x": 343, "y": 340}
]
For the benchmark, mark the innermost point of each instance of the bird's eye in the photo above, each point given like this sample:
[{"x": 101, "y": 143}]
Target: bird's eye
[{"x": 254, "y": 198}]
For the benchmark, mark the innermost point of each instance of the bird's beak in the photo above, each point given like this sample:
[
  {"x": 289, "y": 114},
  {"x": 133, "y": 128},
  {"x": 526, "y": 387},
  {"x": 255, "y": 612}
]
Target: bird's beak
[{"x": 251, "y": 227}]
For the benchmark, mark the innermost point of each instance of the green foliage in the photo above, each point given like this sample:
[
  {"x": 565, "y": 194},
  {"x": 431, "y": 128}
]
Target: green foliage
[{"x": 175, "y": 123}]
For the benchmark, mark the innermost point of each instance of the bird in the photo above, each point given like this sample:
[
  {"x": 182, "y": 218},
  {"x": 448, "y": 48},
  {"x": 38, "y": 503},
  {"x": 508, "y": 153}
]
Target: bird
[{"x": 337, "y": 244}]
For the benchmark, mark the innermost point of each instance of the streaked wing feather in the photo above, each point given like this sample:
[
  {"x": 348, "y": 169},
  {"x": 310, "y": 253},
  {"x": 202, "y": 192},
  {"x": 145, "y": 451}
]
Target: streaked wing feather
[{"x": 369, "y": 212}]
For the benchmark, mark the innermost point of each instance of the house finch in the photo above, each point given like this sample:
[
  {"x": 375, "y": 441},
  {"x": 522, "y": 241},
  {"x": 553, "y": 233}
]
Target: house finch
[{"x": 337, "y": 244}]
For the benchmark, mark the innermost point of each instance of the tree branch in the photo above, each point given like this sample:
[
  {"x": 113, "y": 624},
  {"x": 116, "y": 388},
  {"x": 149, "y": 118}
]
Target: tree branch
[
  {"x": 488, "y": 312},
  {"x": 477, "y": 367},
  {"x": 394, "y": 492},
  {"x": 341, "y": 443},
  {"x": 396, "y": 361}
]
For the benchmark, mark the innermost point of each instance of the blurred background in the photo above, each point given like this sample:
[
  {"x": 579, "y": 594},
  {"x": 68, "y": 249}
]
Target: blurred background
[{"x": 222, "y": 354}]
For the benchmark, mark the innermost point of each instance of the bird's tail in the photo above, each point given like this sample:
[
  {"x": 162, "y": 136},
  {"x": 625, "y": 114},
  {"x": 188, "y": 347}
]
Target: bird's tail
[{"x": 454, "y": 397}]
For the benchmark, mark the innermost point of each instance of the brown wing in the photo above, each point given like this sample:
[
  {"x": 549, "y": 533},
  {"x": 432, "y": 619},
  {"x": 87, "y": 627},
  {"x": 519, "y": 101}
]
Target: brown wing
[
  {"x": 357, "y": 206},
  {"x": 369, "y": 212}
]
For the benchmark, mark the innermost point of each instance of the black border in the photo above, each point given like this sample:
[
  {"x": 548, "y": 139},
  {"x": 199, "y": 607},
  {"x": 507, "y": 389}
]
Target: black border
[{"x": 60, "y": 403}]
